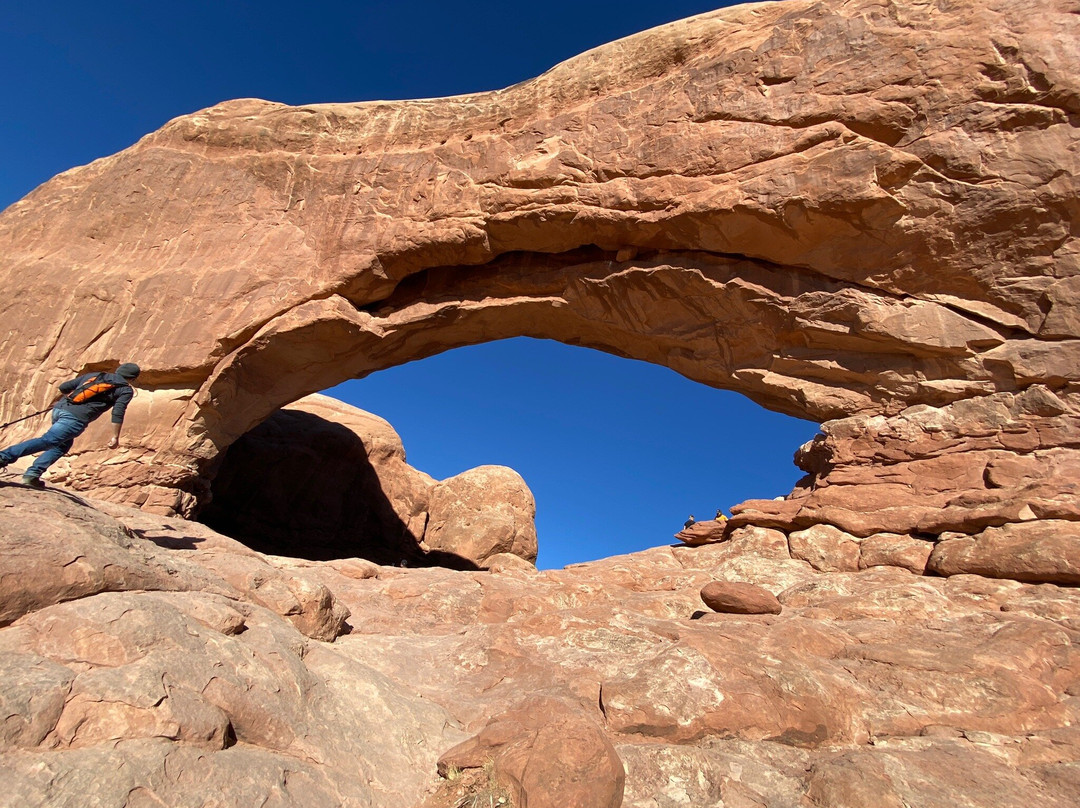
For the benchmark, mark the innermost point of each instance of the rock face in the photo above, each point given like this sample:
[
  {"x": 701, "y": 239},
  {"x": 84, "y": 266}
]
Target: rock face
[
  {"x": 550, "y": 754},
  {"x": 861, "y": 212},
  {"x": 1003, "y": 470},
  {"x": 322, "y": 479},
  {"x": 158, "y": 662}
]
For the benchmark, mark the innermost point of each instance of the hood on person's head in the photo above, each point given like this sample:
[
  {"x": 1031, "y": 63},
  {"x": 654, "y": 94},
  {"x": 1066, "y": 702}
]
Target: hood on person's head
[{"x": 129, "y": 371}]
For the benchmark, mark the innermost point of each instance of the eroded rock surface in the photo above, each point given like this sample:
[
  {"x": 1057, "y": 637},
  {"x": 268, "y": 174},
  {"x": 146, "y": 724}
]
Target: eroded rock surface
[
  {"x": 594, "y": 684},
  {"x": 842, "y": 210},
  {"x": 549, "y": 753},
  {"x": 859, "y": 212}
]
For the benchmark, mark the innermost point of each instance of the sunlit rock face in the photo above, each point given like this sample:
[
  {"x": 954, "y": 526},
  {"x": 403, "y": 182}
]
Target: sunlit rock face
[
  {"x": 862, "y": 213},
  {"x": 148, "y": 655},
  {"x": 840, "y": 210}
]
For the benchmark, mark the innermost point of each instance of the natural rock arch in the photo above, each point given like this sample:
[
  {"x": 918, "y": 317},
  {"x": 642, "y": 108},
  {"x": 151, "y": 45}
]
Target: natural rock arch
[{"x": 840, "y": 210}]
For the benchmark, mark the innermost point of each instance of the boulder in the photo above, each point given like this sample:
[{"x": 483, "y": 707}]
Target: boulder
[
  {"x": 324, "y": 480},
  {"x": 482, "y": 513},
  {"x": 733, "y": 597},
  {"x": 548, "y": 753}
]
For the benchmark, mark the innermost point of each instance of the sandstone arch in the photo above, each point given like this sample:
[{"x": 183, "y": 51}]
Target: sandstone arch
[{"x": 841, "y": 210}]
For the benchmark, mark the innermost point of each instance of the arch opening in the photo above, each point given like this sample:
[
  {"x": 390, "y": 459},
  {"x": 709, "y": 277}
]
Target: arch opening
[
  {"x": 616, "y": 453},
  {"x": 793, "y": 341}
]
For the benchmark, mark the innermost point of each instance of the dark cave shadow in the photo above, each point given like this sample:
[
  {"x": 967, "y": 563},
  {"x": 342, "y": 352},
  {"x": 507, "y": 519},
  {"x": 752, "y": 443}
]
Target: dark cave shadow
[{"x": 302, "y": 486}]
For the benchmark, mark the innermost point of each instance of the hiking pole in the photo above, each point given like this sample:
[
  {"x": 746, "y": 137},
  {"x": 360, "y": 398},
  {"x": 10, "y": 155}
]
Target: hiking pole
[{"x": 24, "y": 418}]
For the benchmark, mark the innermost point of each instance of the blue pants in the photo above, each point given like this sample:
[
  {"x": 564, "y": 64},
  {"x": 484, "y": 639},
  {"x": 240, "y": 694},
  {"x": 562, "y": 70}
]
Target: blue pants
[{"x": 53, "y": 445}]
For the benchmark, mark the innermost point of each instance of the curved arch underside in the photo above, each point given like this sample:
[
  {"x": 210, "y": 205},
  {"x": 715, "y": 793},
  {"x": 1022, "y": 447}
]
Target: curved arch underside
[
  {"x": 785, "y": 337},
  {"x": 841, "y": 210}
]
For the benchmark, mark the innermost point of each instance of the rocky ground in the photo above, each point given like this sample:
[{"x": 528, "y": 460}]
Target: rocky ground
[{"x": 151, "y": 661}]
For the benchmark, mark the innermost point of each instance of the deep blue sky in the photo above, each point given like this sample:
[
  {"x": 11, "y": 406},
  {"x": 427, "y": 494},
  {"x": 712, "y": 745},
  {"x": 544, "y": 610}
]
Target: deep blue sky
[{"x": 617, "y": 452}]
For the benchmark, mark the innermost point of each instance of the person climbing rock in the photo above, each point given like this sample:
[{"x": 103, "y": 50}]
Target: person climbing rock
[{"x": 84, "y": 398}]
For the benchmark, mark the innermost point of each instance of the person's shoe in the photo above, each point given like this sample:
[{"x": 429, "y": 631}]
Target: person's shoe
[{"x": 33, "y": 482}]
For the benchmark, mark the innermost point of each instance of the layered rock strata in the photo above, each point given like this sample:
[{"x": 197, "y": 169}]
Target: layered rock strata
[
  {"x": 861, "y": 210},
  {"x": 995, "y": 480}
]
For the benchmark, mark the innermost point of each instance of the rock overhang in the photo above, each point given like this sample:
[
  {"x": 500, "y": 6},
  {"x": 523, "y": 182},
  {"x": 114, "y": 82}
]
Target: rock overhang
[
  {"x": 846, "y": 224},
  {"x": 960, "y": 430}
]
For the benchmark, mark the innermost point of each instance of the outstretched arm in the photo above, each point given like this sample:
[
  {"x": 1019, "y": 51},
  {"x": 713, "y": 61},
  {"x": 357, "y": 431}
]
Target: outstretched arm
[
  {"x": 114, "y": 439},
  {"x": 123, "y": 398}
]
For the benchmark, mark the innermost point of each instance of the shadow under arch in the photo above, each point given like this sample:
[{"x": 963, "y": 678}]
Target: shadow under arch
[
  {"x": 303, "y": 486},
  {"x": 614, "y": 451}
]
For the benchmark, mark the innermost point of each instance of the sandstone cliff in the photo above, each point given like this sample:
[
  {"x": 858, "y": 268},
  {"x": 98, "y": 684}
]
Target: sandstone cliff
[
  {"x": 842, "y": 210},
  {"x": 861, "y": 212}
]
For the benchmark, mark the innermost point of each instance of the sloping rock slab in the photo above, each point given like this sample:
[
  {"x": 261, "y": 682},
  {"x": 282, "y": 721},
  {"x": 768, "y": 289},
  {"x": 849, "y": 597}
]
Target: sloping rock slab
[
  {"x": 56, "y": 548},
  {"x": 1044, "y": 551}
]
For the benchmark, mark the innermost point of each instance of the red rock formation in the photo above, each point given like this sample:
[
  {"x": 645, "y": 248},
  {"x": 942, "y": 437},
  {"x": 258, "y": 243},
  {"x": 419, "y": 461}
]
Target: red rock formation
[
  {"x": 1009, "y": 461},
  {"x": 188, "y": 670},
  {"x": 862, "y": 212},
  {"x": 841, "y": 210},
  {"x": 325, "y": 480},
  {"x": 551, "y": 754},
  {"x": 735, "y": 597}
]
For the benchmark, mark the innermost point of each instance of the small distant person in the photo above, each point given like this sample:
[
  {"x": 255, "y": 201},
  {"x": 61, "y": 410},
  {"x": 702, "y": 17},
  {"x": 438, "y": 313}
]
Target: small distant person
[
  {"x": 84, "y": 398},
  {"x": 689, "y": 521},
  {"x": 720, "y": 515}
]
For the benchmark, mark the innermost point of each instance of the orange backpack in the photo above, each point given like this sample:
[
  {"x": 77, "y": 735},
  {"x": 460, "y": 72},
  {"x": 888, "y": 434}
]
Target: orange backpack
[{"x": 95, "y": 387}]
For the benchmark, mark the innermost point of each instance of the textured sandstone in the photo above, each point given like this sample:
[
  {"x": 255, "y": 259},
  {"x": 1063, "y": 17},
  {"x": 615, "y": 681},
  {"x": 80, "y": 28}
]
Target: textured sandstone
[
  {"x": 843, "y": 210},
  {"x": 739, "y": 598},
  {"x": 1045, "y": 551},
  {"x": 550, "y": 753},
  {"x": 925, "y": 678},
  {"x": 325, "y": 474},
  {"x": 891, "y": 550},
  {"x": 858, "y": 212},
  {"x": 481, "y": 513},
  {"x": 57, "y": 548},
  {"x": 1008, "y": 461},
  {"x": 326, "y": 480},
  {"x": 702, "y": 533},
  {"x": 825, "y": 548}
]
